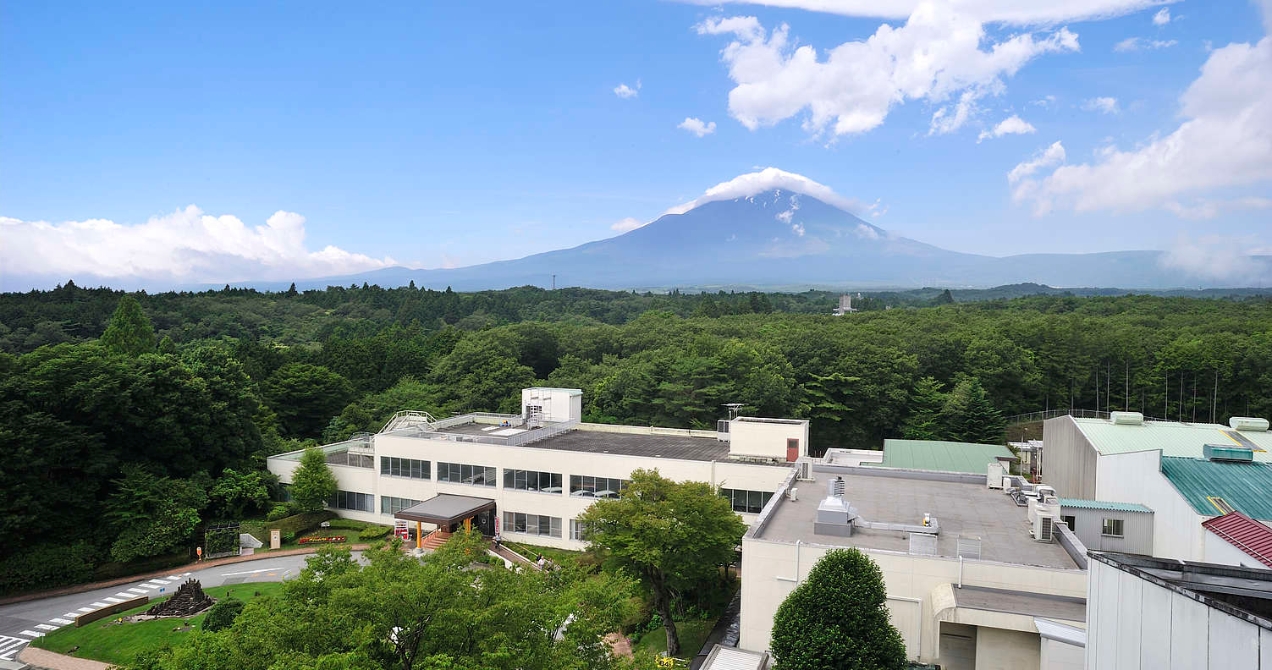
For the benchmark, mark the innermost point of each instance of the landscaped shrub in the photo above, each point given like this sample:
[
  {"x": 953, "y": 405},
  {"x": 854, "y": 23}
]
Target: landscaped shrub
[
  {"x": 374, "y": 532},
  {"x": 300, "y": 523},
  {"x": 279, "y": 511},
  {"x": 348, "y": 524},
  {"x": 256, "y": 529},
  {"x": 222, "y": 615}
]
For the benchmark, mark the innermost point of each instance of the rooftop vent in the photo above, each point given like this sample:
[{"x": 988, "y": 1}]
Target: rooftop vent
[
  {"x": 1126, "y": 418},
  {"x": 1248, "y": 424},
  {"x": 1227, "y": 452},
  {"x": 835, "y": 487}
]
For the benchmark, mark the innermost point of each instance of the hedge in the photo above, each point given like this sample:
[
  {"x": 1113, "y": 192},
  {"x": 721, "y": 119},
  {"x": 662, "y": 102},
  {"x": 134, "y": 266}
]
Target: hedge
[
  {"x": 47, "y": 566},
  {"x": 299, "y": 523}
]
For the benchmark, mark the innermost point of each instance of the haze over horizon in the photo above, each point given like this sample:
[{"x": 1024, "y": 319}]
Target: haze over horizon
[{"x": 202, "y": 145}]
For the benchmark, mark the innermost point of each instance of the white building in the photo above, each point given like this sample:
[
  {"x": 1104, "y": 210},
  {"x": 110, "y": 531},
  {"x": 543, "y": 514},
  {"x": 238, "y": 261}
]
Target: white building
[
  {"x": 530, "y": 476},
  {"x": 1161, "y": 614},
  {"x": 967, "y": 585},
  {"x": 1183, "y": 474}
]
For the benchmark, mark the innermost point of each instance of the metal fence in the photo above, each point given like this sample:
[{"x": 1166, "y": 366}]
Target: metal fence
[{"x": 1031, "y": 417}]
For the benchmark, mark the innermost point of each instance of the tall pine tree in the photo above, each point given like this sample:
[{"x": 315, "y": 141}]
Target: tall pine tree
[{"x": 130, "y": 332}]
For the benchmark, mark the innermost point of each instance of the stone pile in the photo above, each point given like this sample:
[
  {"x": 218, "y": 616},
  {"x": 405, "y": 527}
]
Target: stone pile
[{"x": 187, "y": 601}]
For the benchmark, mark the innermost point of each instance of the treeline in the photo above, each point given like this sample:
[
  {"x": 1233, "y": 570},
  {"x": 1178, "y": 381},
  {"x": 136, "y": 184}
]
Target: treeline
[{"x": 177, "y": 390}]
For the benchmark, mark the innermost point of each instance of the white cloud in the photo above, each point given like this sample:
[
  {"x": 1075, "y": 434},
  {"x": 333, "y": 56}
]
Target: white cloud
[
  {"x": 1012, "y": 125},
  {"x": 186, "y": 245},
  {"x": 768, "y": 179},
  {"x": 1162, "y": 17},
  {"x": 1140, "y": 44},
  {"x": 1224, "y": 142},
  {"x": 867, "y": 232},
  {"x": 627, "y": 225},
  {"x": 1011, "y": 12},
  {"x": 1102, "y": 105},
  {"x": 1216, "y": 258},
  {"x": 1051, "y": 156},
  {"x": 798, "y": 229},
  {"x": 624, "y": 91},
  {"x": 935, "y": 57},
  {"x": 1209, "y": 209},
  {"x": 1045, "y": 101},
  {"x": 697, "y": 127}
]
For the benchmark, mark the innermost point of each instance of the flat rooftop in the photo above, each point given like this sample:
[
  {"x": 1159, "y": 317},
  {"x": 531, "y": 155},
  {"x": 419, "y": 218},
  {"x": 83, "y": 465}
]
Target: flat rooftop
[
  {"x": 960, "y": 509},
  {"x": 632, "y": 441},
  {"x": 1172, "y": 437}
]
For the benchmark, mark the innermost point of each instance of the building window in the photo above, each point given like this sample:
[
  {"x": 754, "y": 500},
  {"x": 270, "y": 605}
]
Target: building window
[
  {"x": 352, "y": 500},
  {"x": 404, "y": 467},
  {"x": 461, "y": 473},
  {"x": 530, "y": 480},
  {"x": 577, "y": 530},
  {"x": 1112, "y": 528},
  {"x": 750, "y": 502},
  {"x": 391, "y": 505},
  {"x": 1070, "y": 521},
  {"x": 532, "y": 524},
  {"x": 587, "y": 486}
]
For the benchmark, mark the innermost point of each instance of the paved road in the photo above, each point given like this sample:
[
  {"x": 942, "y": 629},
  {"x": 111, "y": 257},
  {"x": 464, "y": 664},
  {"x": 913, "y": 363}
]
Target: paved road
[{"x": 22, "y": 622}]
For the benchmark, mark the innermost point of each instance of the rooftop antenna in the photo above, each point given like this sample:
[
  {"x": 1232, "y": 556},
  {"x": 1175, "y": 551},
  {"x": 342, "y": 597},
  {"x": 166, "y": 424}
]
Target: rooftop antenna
[
  {"x": 734, "y": 408},
  {"x": 553, "y": 282}
]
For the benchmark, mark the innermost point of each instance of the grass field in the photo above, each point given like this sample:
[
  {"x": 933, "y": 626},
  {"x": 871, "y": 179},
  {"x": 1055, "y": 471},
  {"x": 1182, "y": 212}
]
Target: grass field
[
  {"x": 530, "y": 551},
  {"x": 693, "y": 634},
  {"x": 120, "y": 643}
]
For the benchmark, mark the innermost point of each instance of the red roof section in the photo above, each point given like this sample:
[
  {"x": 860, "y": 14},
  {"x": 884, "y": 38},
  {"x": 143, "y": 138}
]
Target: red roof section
[{"x": 1245, "y": 534}]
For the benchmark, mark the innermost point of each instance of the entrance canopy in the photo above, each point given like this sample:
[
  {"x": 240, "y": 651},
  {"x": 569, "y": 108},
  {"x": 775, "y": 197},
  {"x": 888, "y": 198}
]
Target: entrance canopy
[{"x": 444, "y": 509}]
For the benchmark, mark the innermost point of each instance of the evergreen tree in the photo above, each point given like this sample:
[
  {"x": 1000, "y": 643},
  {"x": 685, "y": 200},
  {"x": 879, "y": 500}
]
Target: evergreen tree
[
  {"x": 129, "y": 332},
  {"x": 312, "y": 484},
  {"x": 838, "y": 619},
  {"x": 969, "y": 416},
  {"x": 926, "y": 403}
]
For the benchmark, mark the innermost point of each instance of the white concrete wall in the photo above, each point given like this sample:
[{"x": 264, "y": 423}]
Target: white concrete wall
[
  {"x": 1137, "y": 478},
  {"x": 770, "y": 571},
  {"x": 766, "y": 440},
  {"x": 754, "y": 477},
  {"x": 558, "y": 404},
  {"x": 1057, "y": 655},
  {"x": 1137, "y": 625},
  {"x": 998, "y": 649}
]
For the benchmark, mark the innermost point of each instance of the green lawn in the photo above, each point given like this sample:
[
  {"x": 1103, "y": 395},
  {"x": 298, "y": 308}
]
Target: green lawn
[
  {"x": 693, "y": 634},
  {"x": 120, "y": 643}
]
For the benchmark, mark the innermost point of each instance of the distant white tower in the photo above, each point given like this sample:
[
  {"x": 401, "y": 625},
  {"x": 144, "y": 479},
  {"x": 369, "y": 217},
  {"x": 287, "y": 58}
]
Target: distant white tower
[{"x": 845, "y": 305}]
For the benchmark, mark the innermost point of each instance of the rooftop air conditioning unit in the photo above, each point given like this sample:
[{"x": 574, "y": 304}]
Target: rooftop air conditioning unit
[
  {"x": 1248, "y": 424},
  {"x": 805, "y": 472},
  {"x": 1126, "y": 418},
  {"x": 1044, "y": 527},
  {"x": 994, "y": 476},
  {"x": 793, "y": 494}
]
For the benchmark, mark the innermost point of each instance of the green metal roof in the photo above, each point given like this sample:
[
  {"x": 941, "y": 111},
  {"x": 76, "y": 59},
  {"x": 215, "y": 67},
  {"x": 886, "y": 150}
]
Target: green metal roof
[
  {"x": 1246, "y": 487},
  {"x": 1173, "y": 438},
  {"x": 1077, "y": 503},
  {"x": 942, "y": 456}
]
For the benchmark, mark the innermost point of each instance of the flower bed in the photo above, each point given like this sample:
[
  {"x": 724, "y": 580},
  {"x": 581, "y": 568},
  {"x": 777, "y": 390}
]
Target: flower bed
[{"x": 321, "y": 539}]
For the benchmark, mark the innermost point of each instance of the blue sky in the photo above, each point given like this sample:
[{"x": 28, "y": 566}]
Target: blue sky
[{"x": 437, "y": 135}]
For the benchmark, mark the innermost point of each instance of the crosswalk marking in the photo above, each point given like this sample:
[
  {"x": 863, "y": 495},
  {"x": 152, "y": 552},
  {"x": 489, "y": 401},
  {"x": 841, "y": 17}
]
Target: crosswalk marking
[
  {"x": 158, "y": 582},
  {"x": 98, "y": 605},
  {"x": 62, "y": 622},
  {"x": 125, "y": 595},
  {"x": 31, "y": 633},
  {"x": 70, "y": 615},
  {"x": 10, "y": 646},
  {"x": 44, "y": 626},
  {"x": 148, "y": 587},
  {"x": 85, "y": 609},
  {"x": 113, "y": 600},
  {"x": 136, "y": 592}
]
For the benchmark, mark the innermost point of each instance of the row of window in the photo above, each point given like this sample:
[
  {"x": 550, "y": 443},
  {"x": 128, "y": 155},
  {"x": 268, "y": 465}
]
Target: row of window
[
  {"x": 750, "y": 502},
  {"x": 391, "y": 505},
  {"x": 463, "y": 473},
  {"x": 1109, "y": 527},
  {"x": 404, "y": 467},
  {"x": 352, "y": 500},
  {"x": 533, "y": 524},
  {"x": 530, "y": 480},
  {"x": 596, "y": 487}
]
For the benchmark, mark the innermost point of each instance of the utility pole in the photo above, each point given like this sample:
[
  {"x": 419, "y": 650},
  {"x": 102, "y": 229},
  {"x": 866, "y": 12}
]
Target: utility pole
[
  {"x": 553, "y": 282},
  {"x": 1214, "y": 398}
]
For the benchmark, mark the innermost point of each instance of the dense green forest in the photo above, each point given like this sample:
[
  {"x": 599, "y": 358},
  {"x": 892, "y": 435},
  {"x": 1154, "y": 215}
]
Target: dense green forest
[{"x": 128, "y": 421}]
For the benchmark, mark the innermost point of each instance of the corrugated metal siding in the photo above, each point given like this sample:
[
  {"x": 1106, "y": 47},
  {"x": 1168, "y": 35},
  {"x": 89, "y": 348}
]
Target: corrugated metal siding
[
  {"x": 1245, "y": 534},
  {"x": 942, "y": 456},
  {"x": 1247, "y": 487},
  {"x": 1137, "y": 530},
  {"x": 1174, "y": 439},
  {"x": 1077, "y": 503},
  {"x": 1068, "y": 459}
]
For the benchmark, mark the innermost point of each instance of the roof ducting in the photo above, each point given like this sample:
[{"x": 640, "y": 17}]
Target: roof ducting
[{"x": 1227, "y": 452}]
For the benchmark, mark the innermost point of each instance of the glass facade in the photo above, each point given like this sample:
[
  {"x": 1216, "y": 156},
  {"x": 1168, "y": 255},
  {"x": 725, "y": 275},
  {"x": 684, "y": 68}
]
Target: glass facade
[
  {"x": 352, "y": 500},
  {"x": 462, "y": 473},
  {"x": 391, "y": 505},
  {"x": 588, "y": 486},
  {"x": 404, "y": 467},
  {"x": 530, "y": 480},
  {"x": 531, "y": 524},
  {"x": 749, "y": 502}
]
